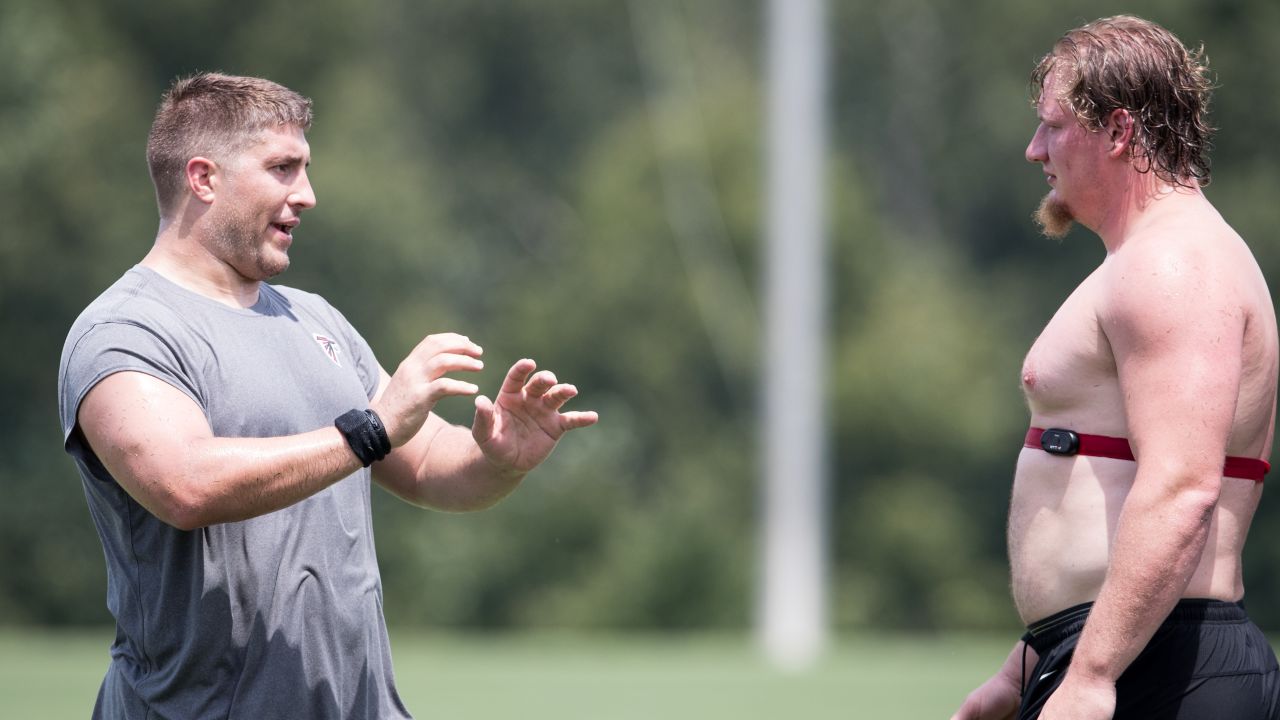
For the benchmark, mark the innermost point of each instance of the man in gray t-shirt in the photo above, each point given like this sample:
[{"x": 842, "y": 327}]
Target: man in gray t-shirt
[{"x": 226, "y": 431}]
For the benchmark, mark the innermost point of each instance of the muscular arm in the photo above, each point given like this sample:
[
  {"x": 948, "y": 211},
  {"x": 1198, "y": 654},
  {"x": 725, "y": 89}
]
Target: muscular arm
[
  {"x": 157, "y": 444},
  {"x": 1176, "y": 333}
]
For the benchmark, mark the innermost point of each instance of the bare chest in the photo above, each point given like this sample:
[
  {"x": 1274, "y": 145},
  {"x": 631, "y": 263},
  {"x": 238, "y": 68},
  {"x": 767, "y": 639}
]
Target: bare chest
[{"x": 1070, "y": 374}]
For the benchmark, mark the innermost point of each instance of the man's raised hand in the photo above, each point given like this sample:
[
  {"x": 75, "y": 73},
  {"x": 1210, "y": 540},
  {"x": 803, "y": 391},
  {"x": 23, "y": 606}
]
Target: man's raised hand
[
  {"x": 422, "y": 379},
  {"x": 520, "y": 428}
]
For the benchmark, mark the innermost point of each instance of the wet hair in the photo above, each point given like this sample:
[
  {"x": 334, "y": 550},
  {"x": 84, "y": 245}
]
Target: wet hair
[
  {"x": 1128, "y": 63},
  {"x": 215, "y": 116}
]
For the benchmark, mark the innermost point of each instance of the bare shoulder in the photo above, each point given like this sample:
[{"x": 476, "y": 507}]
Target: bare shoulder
[{"x": 1180, "y": 269}]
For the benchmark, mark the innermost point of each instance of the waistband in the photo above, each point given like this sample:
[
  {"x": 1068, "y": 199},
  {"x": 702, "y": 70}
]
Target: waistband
[
  {"x": 1043, "y": 635},
  {"x": 1118, "y": 448}
]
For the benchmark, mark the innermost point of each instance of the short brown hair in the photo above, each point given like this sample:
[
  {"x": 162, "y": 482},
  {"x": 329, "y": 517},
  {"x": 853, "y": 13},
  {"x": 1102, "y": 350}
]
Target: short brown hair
[
  {"x": 1128, "y": 63},
  {"x": 216, "y": 116}
]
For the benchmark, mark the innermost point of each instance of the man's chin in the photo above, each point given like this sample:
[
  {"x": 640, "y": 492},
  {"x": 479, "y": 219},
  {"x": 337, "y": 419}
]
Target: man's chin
[
  {"x": 1054, "y": 218},
  {"x": 270, "y": 270},
  {"x": 277, "y": 267},
  {"x": 273, "y": 260},
  {"x": 265, "y": 268}
]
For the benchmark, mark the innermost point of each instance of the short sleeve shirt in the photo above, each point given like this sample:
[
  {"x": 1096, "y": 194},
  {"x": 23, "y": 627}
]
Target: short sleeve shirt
[{"x": 276, "y": 616}]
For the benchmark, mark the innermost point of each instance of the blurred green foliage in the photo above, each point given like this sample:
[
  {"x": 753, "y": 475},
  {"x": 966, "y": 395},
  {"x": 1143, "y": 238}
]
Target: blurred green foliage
[{"x": 580, "y": 182}]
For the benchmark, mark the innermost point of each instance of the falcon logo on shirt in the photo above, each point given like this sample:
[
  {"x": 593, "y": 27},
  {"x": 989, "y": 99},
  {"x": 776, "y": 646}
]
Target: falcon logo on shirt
[{"x": 329, "y": 346}]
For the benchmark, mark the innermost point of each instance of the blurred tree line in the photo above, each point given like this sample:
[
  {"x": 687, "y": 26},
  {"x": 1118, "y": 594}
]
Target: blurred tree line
[{"x": 580, "y": 182}]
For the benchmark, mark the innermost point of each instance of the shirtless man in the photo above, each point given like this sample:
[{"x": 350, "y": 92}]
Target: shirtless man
[{"x": 1128, "y": 572}]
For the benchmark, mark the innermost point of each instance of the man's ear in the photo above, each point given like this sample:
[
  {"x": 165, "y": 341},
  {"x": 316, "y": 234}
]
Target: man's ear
[
  {"x": 1119, "y": 128},
  {"x": 202, "y": 178}
]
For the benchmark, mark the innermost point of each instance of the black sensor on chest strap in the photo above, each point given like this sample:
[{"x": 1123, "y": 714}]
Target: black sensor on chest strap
[{"x": 1060, "y": 442}]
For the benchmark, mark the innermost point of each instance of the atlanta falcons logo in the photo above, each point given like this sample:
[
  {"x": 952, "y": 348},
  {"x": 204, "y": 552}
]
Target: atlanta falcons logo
[{"x": 329, "y": 346}]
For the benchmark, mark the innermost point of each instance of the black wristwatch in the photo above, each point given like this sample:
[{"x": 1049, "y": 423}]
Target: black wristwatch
[{"x": 365, "y": 433}]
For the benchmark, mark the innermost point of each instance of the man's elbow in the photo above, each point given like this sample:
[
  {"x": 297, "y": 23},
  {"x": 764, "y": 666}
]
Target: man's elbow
[
  {"x": 1200, "y": 497},
  {"x": 1201, "y": 486},
  {"x": 186, "y": 518},
  {"x": 1197, "y": 489},
  {"x": 180, "y": 506}
]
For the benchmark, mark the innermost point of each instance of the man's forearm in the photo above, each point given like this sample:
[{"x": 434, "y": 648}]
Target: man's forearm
[
  {"x": 444, "y": 469},
  {"x": 157, "y": 444},
  {"x": 229, "y": 479},
  {"x": 1158, "y": 544}
]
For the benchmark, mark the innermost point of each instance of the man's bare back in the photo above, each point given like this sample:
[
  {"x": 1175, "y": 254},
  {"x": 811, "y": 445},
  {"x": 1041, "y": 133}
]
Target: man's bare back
[{"x": 1064, "y": 510}]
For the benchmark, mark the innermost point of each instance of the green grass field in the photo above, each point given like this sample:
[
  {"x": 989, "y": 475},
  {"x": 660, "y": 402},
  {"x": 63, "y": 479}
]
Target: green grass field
[{"x": 55, "y": 675}]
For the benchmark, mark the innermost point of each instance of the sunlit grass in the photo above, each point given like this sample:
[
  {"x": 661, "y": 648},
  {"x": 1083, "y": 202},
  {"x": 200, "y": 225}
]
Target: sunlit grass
[{"x": 566, "y": 677}]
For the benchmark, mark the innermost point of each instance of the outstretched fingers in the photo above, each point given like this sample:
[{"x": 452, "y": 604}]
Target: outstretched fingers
[
  {"x": 449, "y": 386},
  {"x": 482, "y": 425},
  {"x": 436, "y": 356},
  {"x": 435, "y": 374},
  {"x": 540, "y": 393},
  {"x": 452, "y": 362},
  {"x": 516, "y": 377},
  {"x": 558, "y": 395},
  {"x": 578, "y": 419},
  {"x": 449, "y": 343},
  {"x": 539, "y": 384}
]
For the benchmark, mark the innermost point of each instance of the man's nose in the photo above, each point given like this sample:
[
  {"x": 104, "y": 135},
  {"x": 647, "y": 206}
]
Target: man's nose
[
  {"x": 1035, "y": 152},
  {"x": 303, "y": 196}
]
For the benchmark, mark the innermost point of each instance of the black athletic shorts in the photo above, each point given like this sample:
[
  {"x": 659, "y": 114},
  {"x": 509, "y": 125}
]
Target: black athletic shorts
[{"x": 1207, "y": 660}]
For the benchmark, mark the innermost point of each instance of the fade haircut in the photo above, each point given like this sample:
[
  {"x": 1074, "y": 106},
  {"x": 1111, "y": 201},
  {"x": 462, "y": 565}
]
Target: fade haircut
[
  {"x": 215, "y": 116},
  {"x": 1125, "y": 62}
]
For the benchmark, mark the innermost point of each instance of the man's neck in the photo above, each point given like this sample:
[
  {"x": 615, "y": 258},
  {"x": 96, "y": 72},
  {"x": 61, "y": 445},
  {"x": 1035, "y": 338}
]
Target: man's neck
[
  {"x": 184, "y": 260},
  {"x": 1142, "y": 200}
]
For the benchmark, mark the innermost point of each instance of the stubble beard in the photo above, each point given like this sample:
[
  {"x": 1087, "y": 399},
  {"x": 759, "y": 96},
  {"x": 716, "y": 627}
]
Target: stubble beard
[
  {"x": 1054, "y": 217},
  {"x": 238, "y": 242}
]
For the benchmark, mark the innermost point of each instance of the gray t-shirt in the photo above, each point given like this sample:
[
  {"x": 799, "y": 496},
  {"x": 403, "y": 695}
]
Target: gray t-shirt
[{"x": 279, "y": 616}]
